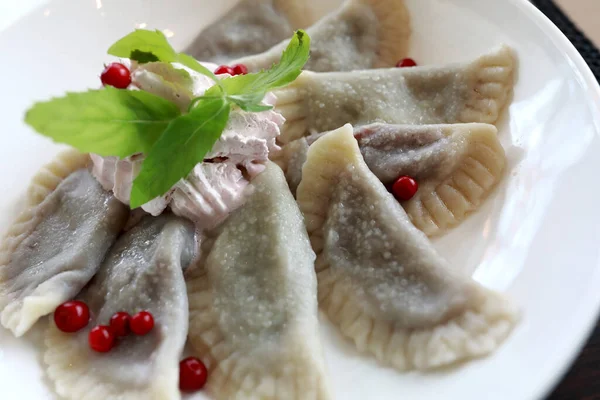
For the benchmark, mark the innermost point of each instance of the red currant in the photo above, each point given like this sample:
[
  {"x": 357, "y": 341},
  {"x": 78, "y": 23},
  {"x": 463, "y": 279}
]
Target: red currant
[
  {"x": 405, "y": 188},
  {"x": 141, "y": 323},
  {"x": 406, "y": 62},
  {"x": 119, "y": 323},
  {"x": 240, "y": 69},
  {"x": 192, "y": 375},
  {"x": 117, "y": 75},
  {"x": 101, "y": 339},
  {"x": 224, "y": 69},
  {"x": 71, "y": 316}
]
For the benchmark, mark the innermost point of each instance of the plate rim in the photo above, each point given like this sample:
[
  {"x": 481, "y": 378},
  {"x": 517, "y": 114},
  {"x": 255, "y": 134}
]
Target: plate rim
[{"x": 557, "y": 374}]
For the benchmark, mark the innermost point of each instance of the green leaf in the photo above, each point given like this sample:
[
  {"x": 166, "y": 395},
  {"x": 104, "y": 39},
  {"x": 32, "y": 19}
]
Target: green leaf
[
  {"x": 184, "y": 144},
  {"x": 286, "y": 71},
  {"x": 146, "y": 46},
  {"x": 109, "y": 121},
  {"x": 144, "y": 42}
]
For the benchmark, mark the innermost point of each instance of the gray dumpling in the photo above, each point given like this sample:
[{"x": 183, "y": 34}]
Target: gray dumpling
[
  {"x": 142, "y": 271},
  {"x": 250, "y": 27},
  {"x": 475, "y": 91},
  {"x": 253, "y": 307},
  {"x": 380, "y": 280},
  {"x": 362, "y": 34},
  {"x": 57, "y": 244}
]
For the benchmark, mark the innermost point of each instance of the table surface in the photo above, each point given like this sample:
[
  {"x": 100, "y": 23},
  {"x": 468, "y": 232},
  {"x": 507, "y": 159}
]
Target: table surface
[
  {"x": 585, "y": 14},
  {"x": 582, "y": 382}
]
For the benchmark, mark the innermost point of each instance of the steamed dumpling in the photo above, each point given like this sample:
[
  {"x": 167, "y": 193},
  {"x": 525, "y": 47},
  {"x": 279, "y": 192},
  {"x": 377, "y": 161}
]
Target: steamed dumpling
[
  {"x": 57, "y": 244},
  {"x": 380, "y": 280},
  {"x": 362, "y": 34},
  {"x": 469, "y": 92},
  {"x": 456, "y": 166},
  {"x": 253, "y": 306},
  {"x": 142, "y": 271},
  {"x": 250, "y": 27}
]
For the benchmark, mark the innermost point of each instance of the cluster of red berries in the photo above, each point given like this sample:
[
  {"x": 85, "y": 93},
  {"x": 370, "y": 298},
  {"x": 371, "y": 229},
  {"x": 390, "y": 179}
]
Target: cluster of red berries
[
  {"x": 238, "y": 69},
  {"x": 73, "y": 316},
  {"x": 103, "y": 338}
]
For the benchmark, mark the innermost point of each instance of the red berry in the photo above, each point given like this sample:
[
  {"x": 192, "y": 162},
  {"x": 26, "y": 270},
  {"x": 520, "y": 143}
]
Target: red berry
[
  {"x": 192, "y": 375},
  {"x": 117, "y": 75},
  {"x": 224, "y": 69},
  {"x": 240, "y": 69},
  {"x": 119, "y": 323},
  {"x": 406, "y": 62},
  {"x": 405, "y": 188},
  {"x": 71, "y": 316},
  {"x": 141, "y": 323},
  {"x": 101, "y": 339}
]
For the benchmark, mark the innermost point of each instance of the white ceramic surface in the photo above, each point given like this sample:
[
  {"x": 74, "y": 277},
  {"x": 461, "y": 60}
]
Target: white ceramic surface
[{"x": 535, "y": 237}]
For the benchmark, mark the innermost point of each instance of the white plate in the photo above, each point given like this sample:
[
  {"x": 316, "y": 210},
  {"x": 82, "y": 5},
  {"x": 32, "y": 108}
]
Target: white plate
[{"x": 535, "y": 237}]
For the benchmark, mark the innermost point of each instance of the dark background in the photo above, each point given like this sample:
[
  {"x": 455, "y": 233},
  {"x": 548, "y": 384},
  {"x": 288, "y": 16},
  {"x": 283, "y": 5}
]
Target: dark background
[{"x": 582, "y": 382}]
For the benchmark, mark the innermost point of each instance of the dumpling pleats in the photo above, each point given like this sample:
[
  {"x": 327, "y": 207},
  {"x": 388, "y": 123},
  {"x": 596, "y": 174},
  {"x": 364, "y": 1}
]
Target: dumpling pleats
[
  {"x": 251, "y": 27},
  {"x": 460, "y": 93},
  {"x": 456, "y": 167},
  {"x": 57, "y": 244},
  {"x": 380, "y": 280},
  {"x": 253, "y": 307},
  {"x": 362, "y": 34},
  {"x": 142, "y": 271}
]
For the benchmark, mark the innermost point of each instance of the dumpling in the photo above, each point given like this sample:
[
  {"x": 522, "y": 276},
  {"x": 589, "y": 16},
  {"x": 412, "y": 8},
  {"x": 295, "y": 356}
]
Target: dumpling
[
  {"x": 469, "y": 92},
  {"x": 57, "y": 244},
  {"x": 250, "y": 27},
  {"x": 362, "y": 34},
  {"x": 143, "y": 271},
  {"x": 380, "y": 280},
  {"x": 455, "y": 165},
  {"x": 253, "y": 307}
]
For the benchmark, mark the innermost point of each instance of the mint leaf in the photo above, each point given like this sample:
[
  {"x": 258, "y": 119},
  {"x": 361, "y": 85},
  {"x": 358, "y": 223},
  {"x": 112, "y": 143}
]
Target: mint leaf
[
  {"x": 248, "y": 91},
  {"x": 286, "y": 71},
  {"x": 109, "y": 121},
  {"x": 144, "y": 42},
  {"x": 183, "y": 144},
  {"x": 146, "y": 46}
]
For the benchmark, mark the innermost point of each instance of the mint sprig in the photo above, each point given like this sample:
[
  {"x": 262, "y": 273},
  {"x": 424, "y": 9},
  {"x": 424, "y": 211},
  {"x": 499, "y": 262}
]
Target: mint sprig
[{"x": 114, "y": 122}]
